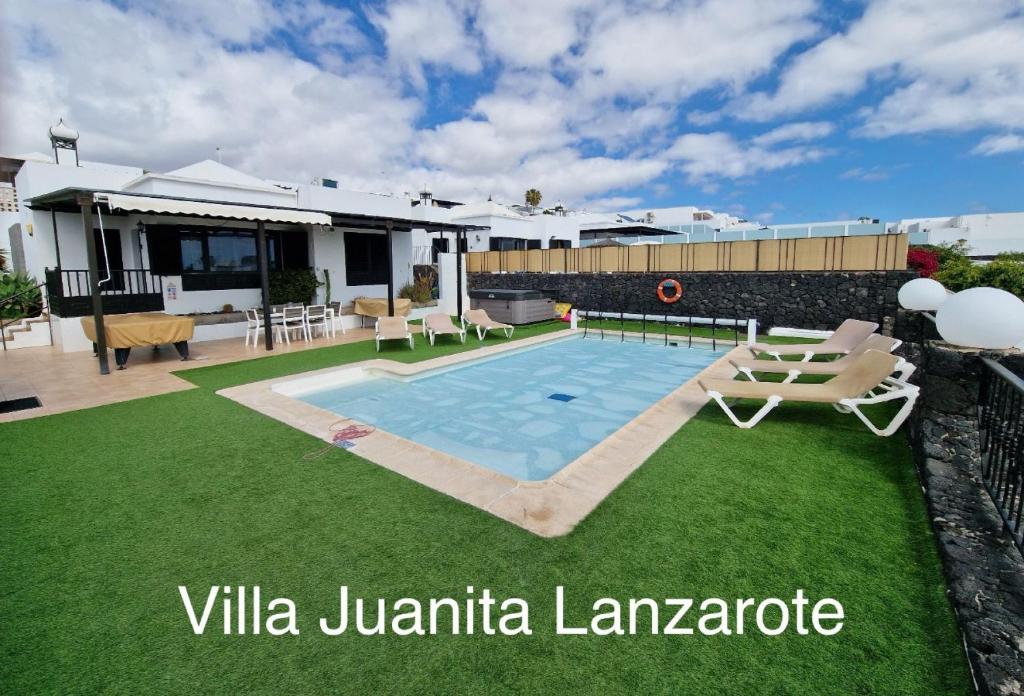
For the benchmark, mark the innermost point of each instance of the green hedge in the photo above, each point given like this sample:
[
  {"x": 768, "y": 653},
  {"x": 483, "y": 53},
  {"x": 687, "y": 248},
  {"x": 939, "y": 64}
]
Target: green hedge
[{"x": 293, "y": 286}]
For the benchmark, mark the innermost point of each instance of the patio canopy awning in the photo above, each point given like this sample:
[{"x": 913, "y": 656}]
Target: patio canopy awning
[
  {"x": 67, "y": 200},
  {"x": 178, "y": 206}
]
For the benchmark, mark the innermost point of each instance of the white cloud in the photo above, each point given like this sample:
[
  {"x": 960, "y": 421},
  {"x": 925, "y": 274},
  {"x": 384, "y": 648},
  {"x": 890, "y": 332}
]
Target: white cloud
[
  {"x": 182, "y": 93},
  {"x": 561, "y": 174},
  {"x": 530, "y": 33},
  {"x": 957, "y": 65},
  {"x": 666, "y": 52},
  {"x": 1000, "y": 144},
  {"x": 866, "y": 174},
  {"x": 427, "y": 32},
  {"x": 704, "y": 157},
  {"x": 795, "y": 132},
  {"x": 611, "y": 204}
]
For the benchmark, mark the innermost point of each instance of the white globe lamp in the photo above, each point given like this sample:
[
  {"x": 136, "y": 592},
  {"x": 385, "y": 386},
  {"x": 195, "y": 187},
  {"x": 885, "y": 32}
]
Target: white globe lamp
[
  {"x": 982, "y": 318},
  {"x": 922, "y": 294}
]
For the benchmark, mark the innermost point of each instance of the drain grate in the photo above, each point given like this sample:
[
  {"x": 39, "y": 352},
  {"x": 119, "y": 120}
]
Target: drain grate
[
  {"x": 562, "y": 397},
  {"x": 23, "y": 404}
]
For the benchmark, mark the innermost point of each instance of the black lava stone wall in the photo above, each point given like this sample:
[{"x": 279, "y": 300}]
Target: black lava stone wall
[{"x": 802, "y": 300}]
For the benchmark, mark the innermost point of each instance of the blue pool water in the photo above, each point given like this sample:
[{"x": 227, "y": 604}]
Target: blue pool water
[{"x": 525, "y": 414}]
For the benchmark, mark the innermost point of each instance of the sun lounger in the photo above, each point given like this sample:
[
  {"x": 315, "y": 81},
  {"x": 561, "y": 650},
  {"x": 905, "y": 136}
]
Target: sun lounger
[
  {"x": 848, "y": 336},
  {"x": 793, "y": 369},
  {"x": 847, "y": 392},
  {"x": 441, "y": 325},
  {"x": 483, "y": 323},
  {"x": 393, "y": 329}
]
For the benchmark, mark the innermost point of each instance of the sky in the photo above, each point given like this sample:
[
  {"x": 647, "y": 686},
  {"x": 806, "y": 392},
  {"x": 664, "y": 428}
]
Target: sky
[{"x": 777, "y": 112}]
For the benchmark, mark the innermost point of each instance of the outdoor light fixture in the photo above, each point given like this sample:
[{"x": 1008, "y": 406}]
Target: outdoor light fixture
[
  {"x": 982, "y": 318},
  {"x": 923, "y": 295}
]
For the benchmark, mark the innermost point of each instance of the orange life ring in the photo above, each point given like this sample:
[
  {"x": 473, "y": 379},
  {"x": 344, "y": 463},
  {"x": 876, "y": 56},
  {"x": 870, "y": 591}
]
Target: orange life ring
[{"x": 668, "y": 282}]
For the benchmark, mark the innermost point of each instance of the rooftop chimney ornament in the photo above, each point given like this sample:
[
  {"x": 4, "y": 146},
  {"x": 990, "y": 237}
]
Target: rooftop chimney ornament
[{"x": 63, "y": 137}]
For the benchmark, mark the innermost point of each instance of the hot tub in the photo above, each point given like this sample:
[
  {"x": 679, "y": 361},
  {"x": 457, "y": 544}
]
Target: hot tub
[{"x": 514, "y": 306}]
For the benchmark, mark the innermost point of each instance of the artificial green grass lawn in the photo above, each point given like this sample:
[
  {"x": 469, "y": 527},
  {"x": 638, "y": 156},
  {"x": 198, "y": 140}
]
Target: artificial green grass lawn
[{"x": 108, "y": 510}]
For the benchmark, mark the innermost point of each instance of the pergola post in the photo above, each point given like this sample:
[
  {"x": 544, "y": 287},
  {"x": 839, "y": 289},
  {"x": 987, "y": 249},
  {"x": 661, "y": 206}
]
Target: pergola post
[
  {"x": 261, "y": 260},
  {"x": 56, "y": 237},
  {"x": 458, "y": 269},
  {"x": 85, "y": 203},
  {"x": 391, "y": 270}
]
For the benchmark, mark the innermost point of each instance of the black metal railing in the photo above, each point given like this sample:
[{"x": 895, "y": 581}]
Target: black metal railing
[
  {"x": 126, "y": 290},
  {"x": 10, "y": 301},
  {"x": 1001, "y": 425},
  {"x": 128, "y": 281},
  {"x": 700, "y": 330}
]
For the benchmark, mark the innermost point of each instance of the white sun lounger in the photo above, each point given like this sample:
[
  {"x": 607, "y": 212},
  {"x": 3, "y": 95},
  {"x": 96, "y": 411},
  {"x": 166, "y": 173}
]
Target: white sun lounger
[
  {"x": 392, "y": 329},
  {"x": 483, "y": 323},
  {"x": 848, "y": 336},
  {"x": 793, "y": 369},
  {"x": 440, "y": 324},
  {"x": 850, "y": 390}
]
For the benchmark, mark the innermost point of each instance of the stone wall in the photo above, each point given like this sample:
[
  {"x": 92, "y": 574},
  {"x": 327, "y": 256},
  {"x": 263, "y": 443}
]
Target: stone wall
[
  {"x": 985, "y": 571},
  {"x": 802, "y": 300}
]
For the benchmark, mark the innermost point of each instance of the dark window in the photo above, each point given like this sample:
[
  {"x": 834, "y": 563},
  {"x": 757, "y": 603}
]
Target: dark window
[
  {"x": 559, "y": 244},
  {"x": 366, "y": 259},
  {"x": 533, "y": 244},
  {"x": 232, "y": 251},
  {"x": 193, "y": 254},
  {"x": 437, "y": 246},
  {"x": 212, "y": 258},
  {"x": 507, "y": 244}
]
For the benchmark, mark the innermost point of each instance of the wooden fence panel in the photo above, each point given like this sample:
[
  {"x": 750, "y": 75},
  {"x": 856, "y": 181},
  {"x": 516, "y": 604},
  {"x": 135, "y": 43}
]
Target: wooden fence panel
[
  {"x": 742, "y": 256},
  {"x": 668, "y": 258},
  {"x": 768, "y": 254},
  {"x": 867, "y": 253},
  {"x": 810, "y": 254},
  {"x": 608, "y": 260},
  {"x": 638, "y": 258},
  {"x": 557, "y": 260},
  {"x": 704, "y": 257},
  {"x": 535, "y": 261},
  {"x": 859, "y": 253}
]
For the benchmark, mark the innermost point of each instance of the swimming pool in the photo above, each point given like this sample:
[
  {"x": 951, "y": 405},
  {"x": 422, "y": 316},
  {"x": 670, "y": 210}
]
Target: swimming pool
[{"x": 525, "y": 413}]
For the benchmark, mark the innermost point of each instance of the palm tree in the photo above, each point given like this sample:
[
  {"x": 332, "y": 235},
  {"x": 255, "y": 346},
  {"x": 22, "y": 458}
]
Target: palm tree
[{"x": 533, "y": 197}]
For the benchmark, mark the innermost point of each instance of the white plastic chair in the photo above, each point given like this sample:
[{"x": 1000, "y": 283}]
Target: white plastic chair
[
  {"x": 336, "y": 321},
  {"x": 293, "y": 319},
  {"x": 253, "y": 326},
  {"x": 316, "y": 316}
]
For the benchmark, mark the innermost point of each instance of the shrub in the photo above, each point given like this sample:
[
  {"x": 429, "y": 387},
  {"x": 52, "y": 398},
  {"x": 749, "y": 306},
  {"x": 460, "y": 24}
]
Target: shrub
[
  {"x": 959, "y": 274},
  {"x": 1003, "y": 273},
  {"x": 30, "y": 300},
  {"x": 924, "y": 261},
  {"x": 294, "y": 285},
  {"x": 419, "y": 291}
]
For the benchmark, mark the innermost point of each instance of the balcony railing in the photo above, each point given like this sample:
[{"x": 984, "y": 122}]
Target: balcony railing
[
  {"x": 1001, "y": 422},
  {"x": 126, "y": 290}
]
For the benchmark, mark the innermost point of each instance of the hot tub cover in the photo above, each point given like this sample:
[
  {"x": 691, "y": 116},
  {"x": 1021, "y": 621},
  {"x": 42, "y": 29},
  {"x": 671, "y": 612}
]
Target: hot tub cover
[{"x": 509, "y": 295}]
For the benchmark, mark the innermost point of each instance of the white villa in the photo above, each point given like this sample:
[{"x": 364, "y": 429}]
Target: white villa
[{"x": 185, "y": 241}]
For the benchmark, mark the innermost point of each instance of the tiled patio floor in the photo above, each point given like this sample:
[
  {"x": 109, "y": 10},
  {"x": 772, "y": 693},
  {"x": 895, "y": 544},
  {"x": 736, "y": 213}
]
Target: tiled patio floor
[{"x": 71, "y": 381}]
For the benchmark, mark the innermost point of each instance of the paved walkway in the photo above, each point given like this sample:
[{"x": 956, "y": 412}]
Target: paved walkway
[{"x": 71, "y": 381}]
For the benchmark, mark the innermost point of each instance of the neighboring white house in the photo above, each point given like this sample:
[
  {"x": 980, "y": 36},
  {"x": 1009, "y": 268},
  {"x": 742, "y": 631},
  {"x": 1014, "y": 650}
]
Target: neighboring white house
[{"x": 986, "y": 234}]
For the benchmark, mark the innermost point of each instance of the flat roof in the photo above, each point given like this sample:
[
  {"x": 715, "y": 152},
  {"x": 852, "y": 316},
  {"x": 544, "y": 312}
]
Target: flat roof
[
  {"x": 623, "y": 231},
  {"x": 65, "y": 200}
]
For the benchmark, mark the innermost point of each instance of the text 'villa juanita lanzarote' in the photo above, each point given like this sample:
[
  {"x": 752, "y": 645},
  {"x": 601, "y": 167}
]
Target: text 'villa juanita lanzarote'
[{"x": 242, "y": 611}]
